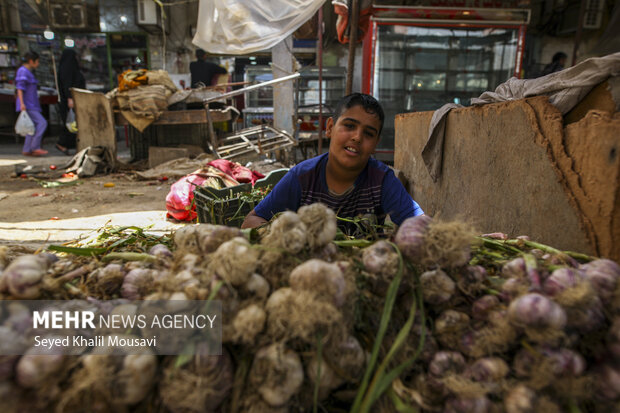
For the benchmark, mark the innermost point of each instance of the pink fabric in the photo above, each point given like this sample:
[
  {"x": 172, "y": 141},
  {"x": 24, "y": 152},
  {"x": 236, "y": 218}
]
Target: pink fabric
[
  {"x": 237, "y": 171},
  {"x": 180, "y": 200}
]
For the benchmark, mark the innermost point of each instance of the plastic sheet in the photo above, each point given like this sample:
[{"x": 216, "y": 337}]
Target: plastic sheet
[{"x": 247, "y": 26}]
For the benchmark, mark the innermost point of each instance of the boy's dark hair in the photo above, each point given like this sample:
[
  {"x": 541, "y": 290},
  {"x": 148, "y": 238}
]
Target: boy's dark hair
[
  {"x": 369, "y": 103},
  {"x": 200, "y": 54},
  {"x": 28, "y": 56}
]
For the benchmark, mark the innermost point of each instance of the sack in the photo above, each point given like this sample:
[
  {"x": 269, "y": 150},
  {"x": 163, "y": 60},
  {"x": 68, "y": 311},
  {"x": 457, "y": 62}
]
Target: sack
[
  {"x": 143, "y": 105},
  {"x": 70, "y": 123},
  {"x": 24, "y": 125}
]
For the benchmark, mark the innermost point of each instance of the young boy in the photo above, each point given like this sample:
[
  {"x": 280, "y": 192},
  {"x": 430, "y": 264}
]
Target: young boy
[
  {"x": 28, "y": 100},
  {"x": 346, "y": 179}
]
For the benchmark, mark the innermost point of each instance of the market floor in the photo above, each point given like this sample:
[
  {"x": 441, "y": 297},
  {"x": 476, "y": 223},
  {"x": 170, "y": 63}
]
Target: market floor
[{"x": 36, "y": 215}]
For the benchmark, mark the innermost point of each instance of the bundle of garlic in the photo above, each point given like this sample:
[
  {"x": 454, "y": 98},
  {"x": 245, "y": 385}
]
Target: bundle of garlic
[
  {"x": 519, "y": 326},
  {"x": 434, "y": 319}
]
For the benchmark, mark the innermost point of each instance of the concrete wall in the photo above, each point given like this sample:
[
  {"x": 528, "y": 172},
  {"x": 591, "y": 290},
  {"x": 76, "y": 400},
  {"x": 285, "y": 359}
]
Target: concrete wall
[
  {"x": 551, "y": 45},
  {"x": 179, "y": 48}
]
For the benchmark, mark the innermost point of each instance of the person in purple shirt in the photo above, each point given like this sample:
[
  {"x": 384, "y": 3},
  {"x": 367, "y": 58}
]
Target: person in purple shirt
[
  {"x": 346, "y": 179},
  {"x": 28, "y": 100}
]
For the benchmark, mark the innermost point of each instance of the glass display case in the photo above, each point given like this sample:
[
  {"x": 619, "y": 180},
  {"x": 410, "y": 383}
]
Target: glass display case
[
  {"x": 259, "y": 102},
  {"x": 333, "y": 84},
  {"x": 420, "y": 60},
  {"x": 262, "y": 97}
]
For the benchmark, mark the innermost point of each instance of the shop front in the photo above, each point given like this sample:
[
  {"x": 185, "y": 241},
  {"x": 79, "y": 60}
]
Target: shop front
[{"x": 418, "y": 59}]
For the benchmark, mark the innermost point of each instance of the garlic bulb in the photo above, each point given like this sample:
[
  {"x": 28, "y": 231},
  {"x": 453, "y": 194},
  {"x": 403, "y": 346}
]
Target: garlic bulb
[
  {"x": 34, "y": 368},
  {"x": 328, "y": 379},
  {"x": 210, "y": 237},
  {"x": 437, "y": 287},
  {"x": 287, "y": 232},
  {"x": 234, "y": 261},
  {"x": 277, "y": 374},
  {"x": 324, "y": 278},
  {"x": 248, "y": 323},
  {"x": 410, "y": 237},
  {"x": 538, "y": 311},
  {"x": 321, "y": 224},
  {"x": 23, "y": 276},
  {"x": 380, "y": 258},
  {"x": 257, "y": 286}
]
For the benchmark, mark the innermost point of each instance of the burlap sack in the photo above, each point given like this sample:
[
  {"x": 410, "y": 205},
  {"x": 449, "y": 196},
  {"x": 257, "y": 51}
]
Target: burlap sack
[{"x": 143, "y": 105}]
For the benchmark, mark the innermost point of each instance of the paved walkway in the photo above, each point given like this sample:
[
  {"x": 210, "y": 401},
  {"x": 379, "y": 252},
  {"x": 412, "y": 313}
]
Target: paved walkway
[{"x": 48, "y": 232}]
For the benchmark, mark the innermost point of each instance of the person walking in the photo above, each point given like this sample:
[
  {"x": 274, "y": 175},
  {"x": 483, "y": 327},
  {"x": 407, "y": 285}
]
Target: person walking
[
  {"x": 69, "y": 75},
  {"x": 28, "y": 100}
]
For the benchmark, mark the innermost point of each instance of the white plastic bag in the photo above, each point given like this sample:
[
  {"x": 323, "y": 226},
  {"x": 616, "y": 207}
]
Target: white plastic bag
[
  {"x": 70, "y": 123},
  {"x": 24, "y": 125},
  {"x": 246, "y": 26}
]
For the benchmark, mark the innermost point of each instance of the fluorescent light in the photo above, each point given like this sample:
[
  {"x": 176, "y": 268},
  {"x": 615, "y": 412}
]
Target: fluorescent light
[{"x": 252, "y": 57}]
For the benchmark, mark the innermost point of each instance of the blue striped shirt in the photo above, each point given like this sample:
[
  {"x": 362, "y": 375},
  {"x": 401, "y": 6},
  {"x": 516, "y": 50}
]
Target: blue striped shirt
[{"x": 376, "y": 191}]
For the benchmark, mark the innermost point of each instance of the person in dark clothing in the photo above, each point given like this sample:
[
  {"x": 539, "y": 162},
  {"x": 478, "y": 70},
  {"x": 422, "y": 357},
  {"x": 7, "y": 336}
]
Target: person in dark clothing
[
  {"x": 557, "y": 64},
  {"x": 203, "y": 71},
  {"x": 69, "y": 76}
]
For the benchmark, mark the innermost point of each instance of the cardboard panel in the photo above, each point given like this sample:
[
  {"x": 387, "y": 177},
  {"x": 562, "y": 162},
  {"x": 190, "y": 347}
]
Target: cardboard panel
[
  {"x": 512, "y": 167},
  {"x": 93, "y": 113}
]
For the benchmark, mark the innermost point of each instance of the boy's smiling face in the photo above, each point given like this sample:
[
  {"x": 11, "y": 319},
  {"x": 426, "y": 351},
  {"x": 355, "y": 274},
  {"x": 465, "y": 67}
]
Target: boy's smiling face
[{"x": 353, "y": 138}]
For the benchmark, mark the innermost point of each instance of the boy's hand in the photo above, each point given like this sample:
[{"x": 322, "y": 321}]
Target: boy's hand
[{"x": 252, "y": 221}]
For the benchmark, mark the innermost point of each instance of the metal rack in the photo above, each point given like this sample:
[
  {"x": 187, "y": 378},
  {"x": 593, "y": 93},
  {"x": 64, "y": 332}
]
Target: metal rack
[{"x": 253, "y": 141}]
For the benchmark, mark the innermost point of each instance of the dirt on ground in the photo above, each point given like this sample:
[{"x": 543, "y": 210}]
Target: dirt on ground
[
  {"x": 36, "y": 209},
  {"x": 26, "y": 199},
  {"x": 32, "y": 213}
]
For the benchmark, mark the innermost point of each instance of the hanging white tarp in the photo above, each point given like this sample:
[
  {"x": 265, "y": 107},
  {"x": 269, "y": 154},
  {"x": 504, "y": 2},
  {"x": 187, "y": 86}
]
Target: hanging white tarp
[{"x": 246, "y": 26}]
